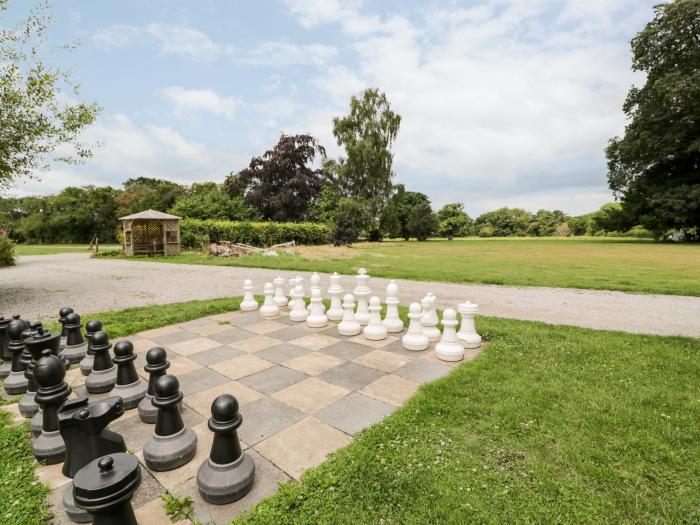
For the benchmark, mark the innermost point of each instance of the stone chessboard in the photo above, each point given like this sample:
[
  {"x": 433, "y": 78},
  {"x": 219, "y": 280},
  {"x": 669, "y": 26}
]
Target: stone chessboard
[{"x": 304, "y": 392}]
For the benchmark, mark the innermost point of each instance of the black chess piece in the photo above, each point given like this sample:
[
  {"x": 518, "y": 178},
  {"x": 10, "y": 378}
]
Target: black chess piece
[
  {"x": 35, "y": 344},
  {"x": 51, "y": 393},
  {"x": 172, "y": 444},
  {"x": 104, "y": 373},
  {"x": 62, "y": 313},
  {"x": 5, "y": 355},
  {"x": 130, "y": 387},
  {"x": 16, "y": 383},
  {"x": 104, "y": 488},
  {"x": 83, "y": 427},
  {"x": 91, "y": 328},
  {"x": 228, "y": 473},
  {"x": 74, "y": 348},
  {"x": 156, "y": 365}
]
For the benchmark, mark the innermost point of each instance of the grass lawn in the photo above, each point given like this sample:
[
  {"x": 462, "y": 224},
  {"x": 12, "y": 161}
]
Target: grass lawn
[
  {"x": 552, "y": 424},
  {"x": 595, "y": 263},
  {"x": 45, "y": 249}
]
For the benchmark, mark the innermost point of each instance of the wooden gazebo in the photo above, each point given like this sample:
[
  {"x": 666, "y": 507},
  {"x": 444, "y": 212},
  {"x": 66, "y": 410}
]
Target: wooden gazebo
[{"x": 151, "y": 232}]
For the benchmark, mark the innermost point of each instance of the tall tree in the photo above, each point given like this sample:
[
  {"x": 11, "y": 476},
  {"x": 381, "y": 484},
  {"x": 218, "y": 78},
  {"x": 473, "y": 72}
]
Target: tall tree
[
  {"x": 400, "y": 206},
  {"x": 504, "y": 222},
  {"x": 655, "y": 167},
  {"x": 208, "y": 200},
  {"x": 454, "y": 222},
  {"x": 282, "y": 185},
  {"x": 35, "y": 115},
  {"x": 367, "y": 134},
  {"x": 143, "y": 193}
]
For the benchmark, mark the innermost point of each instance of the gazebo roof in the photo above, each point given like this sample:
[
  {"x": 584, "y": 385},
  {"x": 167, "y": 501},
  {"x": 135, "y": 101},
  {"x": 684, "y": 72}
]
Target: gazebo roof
[{"x": 149, "y": 214}]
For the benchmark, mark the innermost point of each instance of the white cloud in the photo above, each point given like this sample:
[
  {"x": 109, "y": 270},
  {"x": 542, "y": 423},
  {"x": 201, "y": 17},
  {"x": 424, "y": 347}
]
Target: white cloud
[
  {"x": 312, "y": 13},
  {"x": 188, "y": 100},
  {"x": 171, "y": 39},
  {"x": 280, "y": 53}
]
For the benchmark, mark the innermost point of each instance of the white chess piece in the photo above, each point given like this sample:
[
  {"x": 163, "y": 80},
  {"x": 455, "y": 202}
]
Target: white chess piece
[
  {"x": 292, "y": 284},
  {"x": 429, "y": 318},
  {"x": 316, "y": 285},
  {"x": 375, "y": 330},
  {"x": 414, "y": 339},
  {"x": 349, "y": 326},
  {"x": 449, "y": 348},
  {"x": 335, "y": 312},
  {"x": 317, "y": 318},
  {"x": 392, "y": 321},
  {"x": 269, "y": 308},
  {"x": 279, "y": 298},
  {"x": 467, "y": 332},
  {"x": 248, "y": 304},
  {"x": 298, "y": 310},
  {"x": 362, "y": 292}
]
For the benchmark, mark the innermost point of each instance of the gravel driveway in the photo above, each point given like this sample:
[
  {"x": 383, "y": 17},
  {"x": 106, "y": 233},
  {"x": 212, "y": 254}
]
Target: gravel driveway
[{"x": 41, "y": 284}]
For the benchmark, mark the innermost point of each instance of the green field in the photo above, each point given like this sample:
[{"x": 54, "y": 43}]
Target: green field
[
  {"x": 595, "y": 263},
  {"x": 45, "y": 249},
  {"x": 552, "y": 424}
]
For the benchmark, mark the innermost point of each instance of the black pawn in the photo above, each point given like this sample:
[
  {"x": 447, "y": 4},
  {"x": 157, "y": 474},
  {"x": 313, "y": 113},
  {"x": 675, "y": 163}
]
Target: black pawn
[
  {"x": 74, "y": 348},
  {"x": 104, "y": 488},
  {"x": 172, "y": 444},
  {"x": 5, "y": 355},
  {"x": 62, "y": 313},
  {"x": 16, "y": 382},
  {"x": 130, "y": 387},
  {"x": 156, "y": 365},
  {"x": 34, "y": 344},
  {"x": 83, "y": 427},
  {"x": 228, "y": 474},
  {"x": 91, "y": 328},
  {"x": 104, "y": 374},
  {"x": 52, "y": 392}
]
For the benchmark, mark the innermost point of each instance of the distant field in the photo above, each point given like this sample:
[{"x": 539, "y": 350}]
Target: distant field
[
  {"x": 596, "y": 263},
  {"x": 44, "y": 249}
]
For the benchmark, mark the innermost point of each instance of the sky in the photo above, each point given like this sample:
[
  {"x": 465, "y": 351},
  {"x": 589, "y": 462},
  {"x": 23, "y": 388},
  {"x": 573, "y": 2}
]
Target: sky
[{"x": 503, "y": 102}]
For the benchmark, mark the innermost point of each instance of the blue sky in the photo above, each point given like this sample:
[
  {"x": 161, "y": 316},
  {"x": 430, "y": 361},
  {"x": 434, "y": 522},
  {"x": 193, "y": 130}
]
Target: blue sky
[{"x": 504, "y": 102}]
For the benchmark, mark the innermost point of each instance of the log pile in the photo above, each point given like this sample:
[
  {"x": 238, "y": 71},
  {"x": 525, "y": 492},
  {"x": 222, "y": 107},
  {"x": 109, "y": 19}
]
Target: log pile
[{"x": 238, "y": 249}]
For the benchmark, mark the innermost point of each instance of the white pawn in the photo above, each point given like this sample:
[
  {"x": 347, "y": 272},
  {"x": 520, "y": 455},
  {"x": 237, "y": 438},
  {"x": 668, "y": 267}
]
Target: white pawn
[
  {"x": 317, "y": 318},
  {"x": 280, "y": 299},
  {"x": 316, "y": 285},
  {"x": 449, "y": 348},
  {"x": 467, "y": 332},
  {"x": 269, "y": 308},
  {"x": 335, "y": 312},
  {"x": 392, "y": 321},
  {"x": 292, "y": 284},
  {"x": 414, "y": 339},
  {"x": 429, "y": 318},
  {"x": 298, "y": 312},
  {"x": 248, "y": 304},
  {"x": 375, "y": 330},
  {"x": 349, "y": 326},
  {"x": 362, "y": 292}
]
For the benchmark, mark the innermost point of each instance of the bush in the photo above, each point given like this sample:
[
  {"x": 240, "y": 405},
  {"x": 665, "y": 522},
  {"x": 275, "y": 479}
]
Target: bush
[
  {"x": 7, "y": 249},
  {"x": 562, "y": 230},
  {"x": 193, "y": 231},
  {"x": 486, "y": 231},
  {"x": 422, "y": 222},
  {"x": 350, "y": 218}
]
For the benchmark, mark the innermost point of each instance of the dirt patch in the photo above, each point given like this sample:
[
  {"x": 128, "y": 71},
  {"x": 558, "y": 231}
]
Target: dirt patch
[{"x": 326, "y": 252}]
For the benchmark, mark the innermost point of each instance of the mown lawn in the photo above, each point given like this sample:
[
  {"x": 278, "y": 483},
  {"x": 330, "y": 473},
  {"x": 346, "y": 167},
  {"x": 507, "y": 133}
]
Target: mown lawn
[
  {"x": 552, "y": 424},
  {"x": 595, "y": 263},
  {"x": 45, "y": 249}
]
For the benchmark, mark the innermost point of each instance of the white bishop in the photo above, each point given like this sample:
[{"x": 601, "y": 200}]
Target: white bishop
[
  {"x": 335, "y": 312},
  {"x": 362, "y": 293}
]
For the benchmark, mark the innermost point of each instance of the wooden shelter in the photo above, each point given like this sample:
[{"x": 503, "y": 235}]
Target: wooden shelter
[{"x": 151, "y": 232}]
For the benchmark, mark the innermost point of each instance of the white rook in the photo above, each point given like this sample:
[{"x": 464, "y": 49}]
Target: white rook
[{"x": 467, "y": 332}]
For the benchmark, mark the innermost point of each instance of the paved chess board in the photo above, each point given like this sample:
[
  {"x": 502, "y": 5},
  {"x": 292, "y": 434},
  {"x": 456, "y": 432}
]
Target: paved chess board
[{"x": 304, "y": 392}]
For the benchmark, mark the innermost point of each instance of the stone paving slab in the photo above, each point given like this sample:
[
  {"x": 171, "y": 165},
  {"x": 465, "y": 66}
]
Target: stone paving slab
[{"x": 303, "y": 394}]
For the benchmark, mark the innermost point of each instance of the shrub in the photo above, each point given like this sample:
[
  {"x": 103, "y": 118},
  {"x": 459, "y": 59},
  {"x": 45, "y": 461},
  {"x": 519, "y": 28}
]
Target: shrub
[
  {"x": 562, "y": 230},
  {"x": 7, "y": 249},
  {"x": 422, "y": 221},
  {"x": 486, "y": 231},
  {"x": 350, "y": 217},
  {"x": 253, "y": 233}
]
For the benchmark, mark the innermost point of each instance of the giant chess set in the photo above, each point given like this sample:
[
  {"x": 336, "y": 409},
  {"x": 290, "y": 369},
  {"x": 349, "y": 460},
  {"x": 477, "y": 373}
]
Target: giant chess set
[{"x": 79, "y": 432}]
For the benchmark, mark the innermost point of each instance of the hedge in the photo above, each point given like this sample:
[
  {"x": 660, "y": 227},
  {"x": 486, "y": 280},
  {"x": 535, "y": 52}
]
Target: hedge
[
  {"x": 7, "y": 248},
  {"x": 194, "y": 232}
]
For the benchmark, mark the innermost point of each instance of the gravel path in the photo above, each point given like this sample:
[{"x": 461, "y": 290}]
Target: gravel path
[{"x": 41, "y": 284}]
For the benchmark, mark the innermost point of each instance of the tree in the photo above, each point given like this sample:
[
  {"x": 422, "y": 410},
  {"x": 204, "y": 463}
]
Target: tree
[
  {"x": 611, "y": 217},
  {"x": 422, "y": 221},
  {"x": 36, "y": 116},
  {"x": 280, "y": 185},
  {"x": 454, "y": 222},
  {"x": 350, "y": 218},
  {"x": 209, "y": 200},
  {"x": 503, "y": 222},
  {"x": 144, "y": 193},
  {"x": 400, "y": 205},
  {"x": 579, "y": 225},
  {"x": 367, "y": 134},
  {"x": 655, "y": 167},
  {"x": 544, "y": 223}
]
